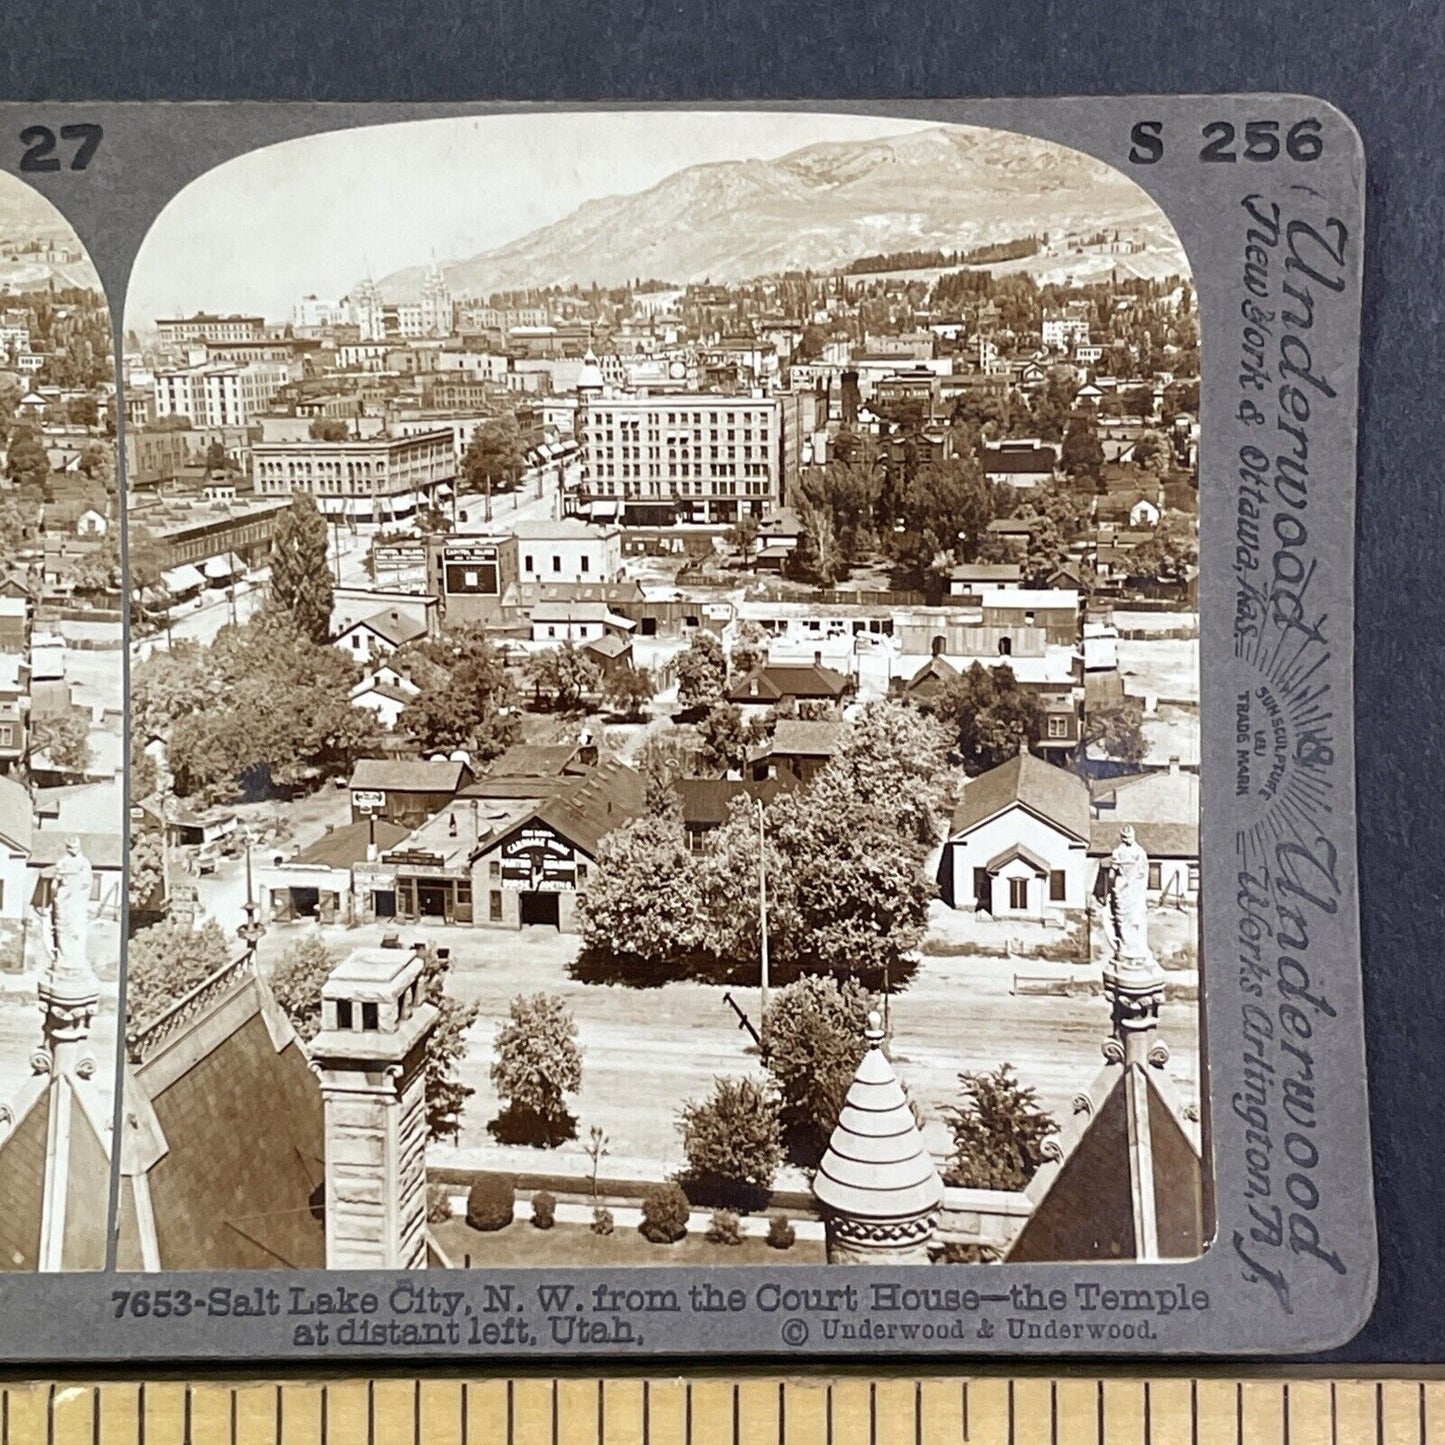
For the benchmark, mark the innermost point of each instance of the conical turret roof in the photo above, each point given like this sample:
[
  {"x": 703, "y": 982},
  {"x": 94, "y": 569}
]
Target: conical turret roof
[{"x": 877, "y": 1167}]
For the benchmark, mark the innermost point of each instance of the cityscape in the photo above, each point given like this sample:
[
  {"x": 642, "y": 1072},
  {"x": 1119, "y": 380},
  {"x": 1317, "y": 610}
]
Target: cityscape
[{"x": 666, "y": 735}]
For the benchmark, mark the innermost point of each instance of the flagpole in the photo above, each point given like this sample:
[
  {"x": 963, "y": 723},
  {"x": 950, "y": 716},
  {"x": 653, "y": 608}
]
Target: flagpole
[{"x": 762, "y": 920}]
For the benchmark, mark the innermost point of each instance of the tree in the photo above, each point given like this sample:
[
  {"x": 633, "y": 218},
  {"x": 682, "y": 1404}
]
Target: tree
[
  {"x": 628, "y": 691},
  {"x": 28, "y": 462},
  {"x": 701, "y": 672},
  {"x": 750, "y": 650},
  {"x": 297, "y": 983},
  {"x": 1152, "y": 452},
  {"x": 998, "y": 1132},
  {"x": 328, "y": 429},
  {"x": 466, "y": 701},
  {"x": 732, "y": 1141},
  {"x": 992, "y": 715},
  {"x": 1054, "y": 403},
  {"x": 300, "y": 574},
  {"x": 262, "y": 708},
  {"x": 1170, "y": 553},
  {"x": 64, "y": 739},
  {"x": 146, "y": 878},
  {"x": 537, "y": 1064},
  {"x": 896, "y": 758},
  {"x": 1118, "y": 729},
  {"x": 495, "y": 457},
  {"x": 744, "y": 536},
  {"x": 165, "y": 962},
  {"x": 218, "y": 459},
  {"x": 560, "y": 676},
  {"x": 643, "y": 901},
  {"x": 1082, "y": 453},
  {"x": 297, "y": 980},
  {"x": 721, "y": 733},
  {"x": 813, "y": 1040}
]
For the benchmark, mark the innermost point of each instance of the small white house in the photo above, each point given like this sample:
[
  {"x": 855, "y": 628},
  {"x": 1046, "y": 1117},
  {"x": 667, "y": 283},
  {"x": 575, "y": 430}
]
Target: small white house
[
  {"x": 387, "y": 693},
  {"x": 378, "y": 636},
  {"x": 1018, "y": 845}
]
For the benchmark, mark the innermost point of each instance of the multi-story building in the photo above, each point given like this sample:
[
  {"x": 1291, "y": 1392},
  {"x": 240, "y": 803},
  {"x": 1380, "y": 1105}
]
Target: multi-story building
[
  {"x": 378, "y": 479},
  {"x": 364, "y": 311},
  {"x": 654, "y": 460},
  {"x": 219, "y": 395},
  {"x": 311, "y": 313},
  {"x": 437, "y": 310},
  {"x": 205, "y": 326},
  {"x": 1064, "y": 329},
  {"x": 196, "y": 532}
]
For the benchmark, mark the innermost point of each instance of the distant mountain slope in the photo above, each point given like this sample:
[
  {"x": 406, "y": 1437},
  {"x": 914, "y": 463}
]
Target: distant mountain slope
[{"x": 819, "y": 207}]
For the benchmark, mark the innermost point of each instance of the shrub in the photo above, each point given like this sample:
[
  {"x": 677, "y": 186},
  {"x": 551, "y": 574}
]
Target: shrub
[
  {"x": 781, "y": 1233},
  {"x": 733, "y": 1142},
  {"x": 664, "y": 1213},
  {"x": 998, "y": 1131},
  {"x": 725, "y": 1227},
  {"x": 544, "y": 1209},
  {"x": 601, "y": 1220},
  {"x": 490, "y": 1201},
  {"x": 438, "y": 1203}
]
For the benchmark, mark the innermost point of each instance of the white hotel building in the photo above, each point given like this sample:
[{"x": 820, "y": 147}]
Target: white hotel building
[
  {"x": 377, "y": 479},
  {"x": 219, "y": 395},
  {"x": 655, "y": 460}
]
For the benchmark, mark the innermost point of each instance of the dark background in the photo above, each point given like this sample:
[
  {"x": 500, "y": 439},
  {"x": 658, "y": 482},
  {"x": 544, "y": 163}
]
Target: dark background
[{"x": 1381, "y": 63}]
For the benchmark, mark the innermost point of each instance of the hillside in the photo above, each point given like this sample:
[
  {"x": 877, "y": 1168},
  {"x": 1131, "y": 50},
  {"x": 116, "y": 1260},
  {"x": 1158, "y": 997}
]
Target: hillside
[{"x": 818, "y": 208}]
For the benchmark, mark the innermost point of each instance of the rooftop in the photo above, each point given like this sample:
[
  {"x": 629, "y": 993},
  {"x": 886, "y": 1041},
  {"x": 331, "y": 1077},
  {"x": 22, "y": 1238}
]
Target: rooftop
[{"x": 1059, "y": 797}]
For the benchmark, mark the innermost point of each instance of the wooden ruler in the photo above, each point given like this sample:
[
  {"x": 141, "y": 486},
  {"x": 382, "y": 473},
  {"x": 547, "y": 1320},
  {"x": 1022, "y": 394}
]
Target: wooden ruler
[{"x": 837, "y": 1409}]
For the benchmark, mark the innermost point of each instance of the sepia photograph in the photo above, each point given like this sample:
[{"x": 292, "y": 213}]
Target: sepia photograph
[
  {"x": 664, "y": 702},
  {"x": 62, "y": 743}
]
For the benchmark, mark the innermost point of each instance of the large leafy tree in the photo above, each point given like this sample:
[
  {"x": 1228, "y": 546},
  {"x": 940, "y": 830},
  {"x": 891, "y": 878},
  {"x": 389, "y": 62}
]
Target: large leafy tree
[
  {"x": 998, "y": 1131},
  {"x": 537, "y": 1064},
  {"x": 561, "y": 676},
  {"x": 300, "y": 575},
  {"x": 28, "y": 462},
  {"x": 643, "y": 899},
  {"x": 701, "y": 672},
  {"x": 1118, "y": 729},
  {"x": 297, "y": 982},
  {"x": 64, "y": 739},
  {"x": 628, "y": 691},
  {"x": 166, "y": 961},
  {"x": 1082, "y": 453},
  {"x": 263, "y": 708},
  {"x": 723, "y": 737},
  {"x": 895, "y": 758},
  {"x": 495, "y": 457},
  {"x": 467, "y": 699},
  {"x": 813, "y": 1040},
  {"x": 991, "y": 715}
]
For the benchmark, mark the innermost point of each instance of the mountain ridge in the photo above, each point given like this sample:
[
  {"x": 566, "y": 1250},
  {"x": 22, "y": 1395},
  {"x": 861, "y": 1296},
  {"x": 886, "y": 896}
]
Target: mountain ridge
[{"x": 819, "y": 207}]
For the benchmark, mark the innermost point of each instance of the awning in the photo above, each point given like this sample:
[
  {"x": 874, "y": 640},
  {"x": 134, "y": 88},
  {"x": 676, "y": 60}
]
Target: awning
[
  {"x": 443, "y": 489},
  {"x": 223, "y": 568},
  {"x": 184, "y": 578}
]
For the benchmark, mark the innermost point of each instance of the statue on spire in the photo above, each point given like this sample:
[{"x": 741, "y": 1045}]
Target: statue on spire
[
  {"x": 1129, "y": 899},
  {"x": 70, "y": 911}
]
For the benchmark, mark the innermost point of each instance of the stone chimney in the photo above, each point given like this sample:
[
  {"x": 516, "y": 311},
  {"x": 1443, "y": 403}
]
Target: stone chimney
[
  {"x": 876, "y": 1185},
  {"x": 587, "y": 748},
  {"x": 370, "y": 1057}
]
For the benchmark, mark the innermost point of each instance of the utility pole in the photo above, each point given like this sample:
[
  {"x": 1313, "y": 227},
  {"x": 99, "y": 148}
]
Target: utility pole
[{"x": 763, "y": 921}]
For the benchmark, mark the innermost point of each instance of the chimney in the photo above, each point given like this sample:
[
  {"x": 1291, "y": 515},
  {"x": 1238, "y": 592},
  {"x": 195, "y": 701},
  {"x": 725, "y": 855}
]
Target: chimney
[
  {"x": 370, "y": 1057},
  {"x": 818, "y": 658},
  {"x": 1174, "y": 765}
]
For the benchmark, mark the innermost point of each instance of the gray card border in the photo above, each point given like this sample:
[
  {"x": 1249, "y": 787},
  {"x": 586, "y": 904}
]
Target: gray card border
[{"x": 1277, "y": 602}]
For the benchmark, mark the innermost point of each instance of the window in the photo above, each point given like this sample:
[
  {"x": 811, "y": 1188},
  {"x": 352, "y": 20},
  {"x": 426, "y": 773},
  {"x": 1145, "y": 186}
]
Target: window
[
  {"x": 1005, "y": 646},
  {"x": 7, "y": 736},
  {"x": 494, "y": 910},
  {"x": 356, "y": 641},
  {"x": 1058, "y": 725},
  {"x": 494, "y": 869},
  {"x": 581, "y": 875},
  {"x": 343, "y": 1013},
  {"x": 586, "y": 564},
  {"x": 982, "y": 888},
  {"x": 1156, "y": 875},
  {"x": 1056, "y": 886},
  {"x": 527, "y": 563},
  {"x": 1018, "y": 893},
  {"x": 556, "y": 562},
  {"x": 370, "y": 1018}
]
